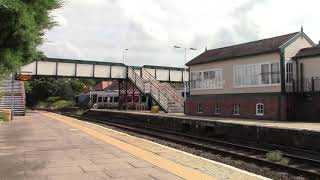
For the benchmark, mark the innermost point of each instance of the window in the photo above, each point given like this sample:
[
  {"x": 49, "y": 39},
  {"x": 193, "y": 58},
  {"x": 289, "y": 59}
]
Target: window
[
  {"x": 275, "y": 72},
  {"x": 196, "y": 80},
  {"x": 94, "y": 98},
  {"x": 99, "y": 99},
  {"x": 105, "y": 99},
  {"x": 259, "y": 109},
  {"x": 199, "y": 108},
  {"x": 251, "y": 75},
  {"x": 115, "y": 99},
  {"x": 217, "y": 109},
  {"x": 265, "y": 74},
  {"x": 236, "y": 109},
  {"x": 289, "y": 72},
  {"x": 209, "y": 79}
]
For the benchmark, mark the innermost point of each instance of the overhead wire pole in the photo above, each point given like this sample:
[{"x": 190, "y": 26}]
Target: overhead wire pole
[
  {"x": 123, "y": 55},
  {"x": 185, "y": 70}
]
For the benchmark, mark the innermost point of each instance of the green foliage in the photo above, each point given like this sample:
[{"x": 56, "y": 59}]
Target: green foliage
[
  {"x": 53, "y": 99},
  {"x": 80, "y": 112},
  {"x": 62, "y": 104},
  {"x": 22, "y": 26},
  {"x": 55, "y": 103},
  {"x": 284, "y": 161},
  {"x": 277, "y": 156},
  {"x": 42, "y": 104},
  {"x": 1, "y": 117},
  {"x": 41, "y": 88}
]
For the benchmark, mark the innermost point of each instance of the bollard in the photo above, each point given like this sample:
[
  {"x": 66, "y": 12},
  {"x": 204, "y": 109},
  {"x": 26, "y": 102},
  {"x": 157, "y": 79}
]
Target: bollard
[
  {"x": 155, "y": 109},
  {"x": 6, "y": 113}
]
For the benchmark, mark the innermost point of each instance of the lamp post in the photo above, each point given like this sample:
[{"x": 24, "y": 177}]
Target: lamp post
[
  {"x": 123, "y": 55},
  {"x": 185, "y": 69}
]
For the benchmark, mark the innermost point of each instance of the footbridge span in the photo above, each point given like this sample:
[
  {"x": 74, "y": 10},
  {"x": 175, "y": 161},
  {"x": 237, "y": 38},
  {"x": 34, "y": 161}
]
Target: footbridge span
[{"x": 149, "y": 80}]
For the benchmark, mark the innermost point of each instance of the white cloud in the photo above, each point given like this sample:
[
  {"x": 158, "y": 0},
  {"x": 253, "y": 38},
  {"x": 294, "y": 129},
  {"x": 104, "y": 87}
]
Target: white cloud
[{"x": 101, "y": 29}]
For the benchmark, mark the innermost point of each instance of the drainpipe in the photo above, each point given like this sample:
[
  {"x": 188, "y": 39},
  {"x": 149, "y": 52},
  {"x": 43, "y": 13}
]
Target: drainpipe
[
  {"x": 297, "y": 82},
  {"x": 283, "y": 84},
  {"x": 282, "y": 73}
]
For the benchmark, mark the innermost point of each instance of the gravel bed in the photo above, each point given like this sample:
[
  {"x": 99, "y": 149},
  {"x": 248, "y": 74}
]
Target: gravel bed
[{"x": 250, "y": 167}]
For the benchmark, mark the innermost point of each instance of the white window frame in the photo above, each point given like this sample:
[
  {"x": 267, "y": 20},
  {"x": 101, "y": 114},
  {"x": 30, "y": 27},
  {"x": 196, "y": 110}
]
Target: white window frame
[
  {"x": 289, "y": 72},
  {"x": 259, "y": 111},
  {"x": 216, "y": 108},
  {"x": 221, "y": 84},
  {"x": 236, "y": 109},
  {"x": 259, "y": 79},
  {"x": 198, "y": 108}
]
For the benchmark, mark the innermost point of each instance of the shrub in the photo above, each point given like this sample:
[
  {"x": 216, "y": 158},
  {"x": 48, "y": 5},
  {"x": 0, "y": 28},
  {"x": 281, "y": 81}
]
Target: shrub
[
  {"x": 80, "y": 112},
  {"x": 53, "y": 99},
  {"x": 1, "y": 117},
  {"x": 62, "y": 104},
  {"x": 284, "y": 161},
  {"x": 277, "y": 156},
  {"x": 42, "y": 104}
]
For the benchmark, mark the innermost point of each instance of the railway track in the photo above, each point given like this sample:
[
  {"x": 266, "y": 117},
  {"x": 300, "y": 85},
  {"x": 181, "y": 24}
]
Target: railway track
[{"x": 298, "y": 165}]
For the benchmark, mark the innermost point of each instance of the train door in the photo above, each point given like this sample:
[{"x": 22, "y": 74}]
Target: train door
[{"x": 105, "y": 102}]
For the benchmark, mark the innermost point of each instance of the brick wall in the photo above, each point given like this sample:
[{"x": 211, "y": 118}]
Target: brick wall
[{"x": 274, "y": 105}]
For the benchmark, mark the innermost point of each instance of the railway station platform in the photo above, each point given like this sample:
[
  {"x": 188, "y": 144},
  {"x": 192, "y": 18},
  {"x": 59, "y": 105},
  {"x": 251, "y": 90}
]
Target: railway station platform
[
  {"x": 280, "y": 135},
  {"x": 44, "y": 145},
  {"x": 308, "y": 126}
]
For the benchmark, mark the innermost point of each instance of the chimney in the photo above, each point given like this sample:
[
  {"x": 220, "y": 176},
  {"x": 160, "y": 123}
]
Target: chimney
[{"x": 206, "y": 49}]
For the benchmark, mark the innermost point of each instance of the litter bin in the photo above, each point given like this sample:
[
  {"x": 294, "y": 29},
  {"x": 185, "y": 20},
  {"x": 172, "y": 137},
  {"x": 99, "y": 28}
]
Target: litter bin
[
  {"x": 155, "y": 109},
  {"x": 6, "y": 113}
]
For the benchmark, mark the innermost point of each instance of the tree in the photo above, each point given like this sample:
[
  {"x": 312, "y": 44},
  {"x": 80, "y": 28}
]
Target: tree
[
  {"x": 39, "y": 89},
  {"x": 22, "y": 26}
]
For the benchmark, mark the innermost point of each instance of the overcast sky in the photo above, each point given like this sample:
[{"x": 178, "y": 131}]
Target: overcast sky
[{"x": 101, "y": 29}]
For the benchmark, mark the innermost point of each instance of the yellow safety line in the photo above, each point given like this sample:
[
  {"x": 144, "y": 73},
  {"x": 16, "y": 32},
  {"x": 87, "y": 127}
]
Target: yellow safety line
[{"x": 172, "y": 167}]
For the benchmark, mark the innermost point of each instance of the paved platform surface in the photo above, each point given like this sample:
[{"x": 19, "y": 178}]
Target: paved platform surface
[
  {"x": 50, "y": 146},
  {"x": 310, "y": 126}
]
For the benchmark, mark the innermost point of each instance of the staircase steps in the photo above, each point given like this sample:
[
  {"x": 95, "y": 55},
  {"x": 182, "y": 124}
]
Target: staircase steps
[
  {"x": 166, "y": 96},
  {"x": 18, "y": 98}
]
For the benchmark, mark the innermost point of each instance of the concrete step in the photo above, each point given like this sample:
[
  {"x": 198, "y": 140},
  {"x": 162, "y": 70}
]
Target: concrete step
[
  {"x": 16, "y": 108},
  {"x": 171, "y": 111}
]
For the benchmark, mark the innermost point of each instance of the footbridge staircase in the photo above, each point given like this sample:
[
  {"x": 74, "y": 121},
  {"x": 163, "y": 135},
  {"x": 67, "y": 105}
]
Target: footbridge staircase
[
  {"x": 162, "y": 93},
  {"x": 18, "y": 98}
]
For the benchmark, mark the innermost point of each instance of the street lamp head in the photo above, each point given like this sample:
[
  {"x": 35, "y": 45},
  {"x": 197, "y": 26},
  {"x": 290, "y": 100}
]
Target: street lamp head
[
  {"x": 176, "y": 46},
  {"x": 126, "y": 49},
  {"x": 193, "y": 49}
]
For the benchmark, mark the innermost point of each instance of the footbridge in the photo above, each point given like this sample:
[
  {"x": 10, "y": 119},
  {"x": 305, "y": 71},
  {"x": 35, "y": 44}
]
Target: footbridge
[
  {"x": 149, "y": 80},
  {"x": 99, "y": 70}
]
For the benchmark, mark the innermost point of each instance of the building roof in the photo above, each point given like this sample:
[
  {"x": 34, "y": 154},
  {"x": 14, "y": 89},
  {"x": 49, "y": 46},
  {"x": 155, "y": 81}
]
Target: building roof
[
  {"x": 246, "y": 49},
  {"x": 308, "y": 52}
]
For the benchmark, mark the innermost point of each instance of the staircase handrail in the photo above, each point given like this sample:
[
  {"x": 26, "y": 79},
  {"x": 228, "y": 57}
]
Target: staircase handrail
[
  {"x": 163, "y": 99},
  {"x": 137, "y": 80},
  {"x": 178, "y": 98},
  {"x": 154, "y": 90},
  {"x": 173, "y": 94}
]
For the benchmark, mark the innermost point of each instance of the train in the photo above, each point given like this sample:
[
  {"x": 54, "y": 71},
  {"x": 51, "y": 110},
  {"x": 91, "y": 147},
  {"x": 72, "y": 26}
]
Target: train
[{"x": 112, "y": 100}]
